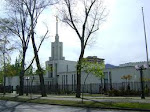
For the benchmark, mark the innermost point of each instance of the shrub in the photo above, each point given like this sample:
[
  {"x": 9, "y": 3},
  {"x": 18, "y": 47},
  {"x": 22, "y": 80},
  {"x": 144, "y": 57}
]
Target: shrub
[{"x": 123, "y": 92}]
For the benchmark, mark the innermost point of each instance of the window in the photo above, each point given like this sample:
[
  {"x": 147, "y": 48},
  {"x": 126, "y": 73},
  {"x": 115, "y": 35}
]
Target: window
[
  {"x": 72, "y": 83},
  {"x": 74, "y": 79},
  {"x": 56, "y": 69},
  {"x": 66, "y": 79},
  {"x": 53, "y": 52},
  {"x": 110, "y": 77},
  {"x": 67, "y": 68},
  {"x": 50, "y": 71},
  {"x": 62, "y": 81}
]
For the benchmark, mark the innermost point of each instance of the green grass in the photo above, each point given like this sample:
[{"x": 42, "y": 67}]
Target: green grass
[
  {"x": 85, "y": 94},
  {"x": 91, "y": 104}
]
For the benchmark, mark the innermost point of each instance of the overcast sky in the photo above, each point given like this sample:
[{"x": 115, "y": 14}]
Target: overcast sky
[{"x": 119, "y": 40}]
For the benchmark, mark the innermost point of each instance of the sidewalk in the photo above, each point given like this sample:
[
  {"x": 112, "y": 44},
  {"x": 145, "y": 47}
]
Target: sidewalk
[
  {"x": 100, "y": 99},
  {"x": 85, "y": 98}
]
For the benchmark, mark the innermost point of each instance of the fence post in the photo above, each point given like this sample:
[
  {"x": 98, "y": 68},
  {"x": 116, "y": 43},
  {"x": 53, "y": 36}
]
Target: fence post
[{"x": 91, "y": 88}]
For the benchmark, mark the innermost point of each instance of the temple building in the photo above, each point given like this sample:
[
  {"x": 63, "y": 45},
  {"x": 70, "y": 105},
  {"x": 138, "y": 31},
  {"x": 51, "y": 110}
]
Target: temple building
[{"x": 63, "y": 72}]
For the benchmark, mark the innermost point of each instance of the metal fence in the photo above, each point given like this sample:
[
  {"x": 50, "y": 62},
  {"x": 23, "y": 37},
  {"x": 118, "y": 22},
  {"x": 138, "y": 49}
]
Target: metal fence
[
  {"x": 8, "y": 89},
  {"x": 87, "y": 88}
]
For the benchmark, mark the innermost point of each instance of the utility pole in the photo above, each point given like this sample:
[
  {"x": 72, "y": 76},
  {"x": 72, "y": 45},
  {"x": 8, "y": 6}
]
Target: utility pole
[{"x": 145, "y": 37}]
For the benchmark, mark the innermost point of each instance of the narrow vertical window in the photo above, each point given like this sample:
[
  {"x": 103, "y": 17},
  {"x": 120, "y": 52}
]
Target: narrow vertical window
[
  {"x": 53, "y": 52},
  {"x": 66, "y": 79},
  {"x": 62, "y": 80},
  {"x": 56, "y": 69},
  {"x": 50, "y": 71},
  {"x": 74, "y": 79},
  {"x": 72, "y": 82}
]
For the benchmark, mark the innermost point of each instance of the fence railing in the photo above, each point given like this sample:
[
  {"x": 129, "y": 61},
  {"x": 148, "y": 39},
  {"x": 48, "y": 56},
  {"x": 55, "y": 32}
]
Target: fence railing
[
  {"x": 87, "y": 88},
  {"x": 8, "y": 89}
]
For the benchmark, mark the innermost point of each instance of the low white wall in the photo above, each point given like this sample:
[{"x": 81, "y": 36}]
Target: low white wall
[{"x": 13, "y": 81}]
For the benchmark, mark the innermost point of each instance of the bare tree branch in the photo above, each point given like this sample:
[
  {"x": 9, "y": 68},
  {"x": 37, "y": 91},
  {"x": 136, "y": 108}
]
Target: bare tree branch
[{"x": 84, "y": 18}]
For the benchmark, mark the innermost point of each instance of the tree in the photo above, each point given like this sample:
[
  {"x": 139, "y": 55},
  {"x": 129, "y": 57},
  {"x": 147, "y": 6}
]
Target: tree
[
  {"x": 10, "y": 69},
  {"x": 93, "y": 68},
  {"x": 127, "y": 77},
  {"x": 26, "y": 14},
  {"x": 5, "y": 49},
  {"x": 84, "y": 17},
  {"x": 19, "y": 27},
  {"x": 35, "y": 8}
]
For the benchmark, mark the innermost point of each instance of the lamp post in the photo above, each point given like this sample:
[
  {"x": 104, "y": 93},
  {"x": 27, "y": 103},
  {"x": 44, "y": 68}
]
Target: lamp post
[
  {"x": 141, "y": 68},
  {"x": 27, "y": 79}
]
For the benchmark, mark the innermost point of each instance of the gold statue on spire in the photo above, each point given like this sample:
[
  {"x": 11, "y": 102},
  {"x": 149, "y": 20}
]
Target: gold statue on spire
[{"x": 56, "y": 18}]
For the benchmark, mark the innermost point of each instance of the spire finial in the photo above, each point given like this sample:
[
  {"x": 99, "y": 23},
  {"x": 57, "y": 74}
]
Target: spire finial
[
  {"x": 57, "y": 18},
  {"x": 57, "y": 37},
  {"x": 56, "y": 25}
]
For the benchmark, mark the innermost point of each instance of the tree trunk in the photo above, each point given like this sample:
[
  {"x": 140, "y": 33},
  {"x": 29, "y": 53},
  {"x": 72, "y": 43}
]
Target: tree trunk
[
  {"x": 78, "y": 91},
  {"x": 40, "y": 71},
  {"x": 21, "y": 88}
]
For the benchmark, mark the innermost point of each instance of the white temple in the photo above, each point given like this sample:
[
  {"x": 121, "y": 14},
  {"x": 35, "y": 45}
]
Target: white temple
[
  {"x": 63, "y": 72},
  {"x": 57, "y": 62}
]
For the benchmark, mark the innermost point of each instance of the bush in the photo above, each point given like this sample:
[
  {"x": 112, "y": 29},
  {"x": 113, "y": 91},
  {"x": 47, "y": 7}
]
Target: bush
[{"x": 123, "y": 92}]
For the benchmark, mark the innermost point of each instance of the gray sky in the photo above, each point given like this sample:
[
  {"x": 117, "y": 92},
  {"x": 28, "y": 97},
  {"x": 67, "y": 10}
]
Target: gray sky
[
  {"x": 119, "y": 40},
  {"x": 123, "y": 39}
]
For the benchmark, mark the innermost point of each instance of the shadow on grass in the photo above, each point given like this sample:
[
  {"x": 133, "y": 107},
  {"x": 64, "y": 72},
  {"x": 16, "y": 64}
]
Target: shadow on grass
[
  {"x": 6, "y": 104},
  {"x": 94, "y": 102},
  {"x": 117, "y": 105}
]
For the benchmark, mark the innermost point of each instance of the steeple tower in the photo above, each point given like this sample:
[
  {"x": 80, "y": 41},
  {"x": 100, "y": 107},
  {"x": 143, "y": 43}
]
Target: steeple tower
[
  {"x": 56, "y": 36},
  {"x": 57, "y": 47}
]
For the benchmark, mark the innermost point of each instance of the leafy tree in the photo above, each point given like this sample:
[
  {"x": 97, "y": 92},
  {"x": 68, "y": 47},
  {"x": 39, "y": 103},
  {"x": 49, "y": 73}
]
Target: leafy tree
[
  {"x": 1, "y": 77},
  {"x": 17, "y": 24},
  {"x": 24, "y": 19},
  {"x": 9, "y": 70},
  {"x": 84, "y": 17},
  {"x": 5, "y": 49},
  {"x": 93, "y": 68},
  {"x": 127, "y": 77}
]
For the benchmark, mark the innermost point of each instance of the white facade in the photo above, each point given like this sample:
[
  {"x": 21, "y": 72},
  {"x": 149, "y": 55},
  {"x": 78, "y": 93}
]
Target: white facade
[
  {"x": 63, "y": 71},
  {"x": 13, "y": 81},
  {"x": 115, "y": 74}
]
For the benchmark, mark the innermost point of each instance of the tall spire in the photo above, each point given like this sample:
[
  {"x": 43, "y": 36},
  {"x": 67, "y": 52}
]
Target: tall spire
[
  {"x": 56, "y": 37},
  {"x": 56, "y": 25}
]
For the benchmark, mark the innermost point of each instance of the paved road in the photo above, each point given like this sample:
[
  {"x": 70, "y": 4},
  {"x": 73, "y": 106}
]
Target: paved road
[{"x": 9, "y": 106}]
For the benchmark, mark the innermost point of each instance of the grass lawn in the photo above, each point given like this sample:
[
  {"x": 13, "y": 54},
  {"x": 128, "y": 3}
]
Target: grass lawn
[
  {"x": 91, "y": 104},
  {"x": 85, "y": 94}
]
